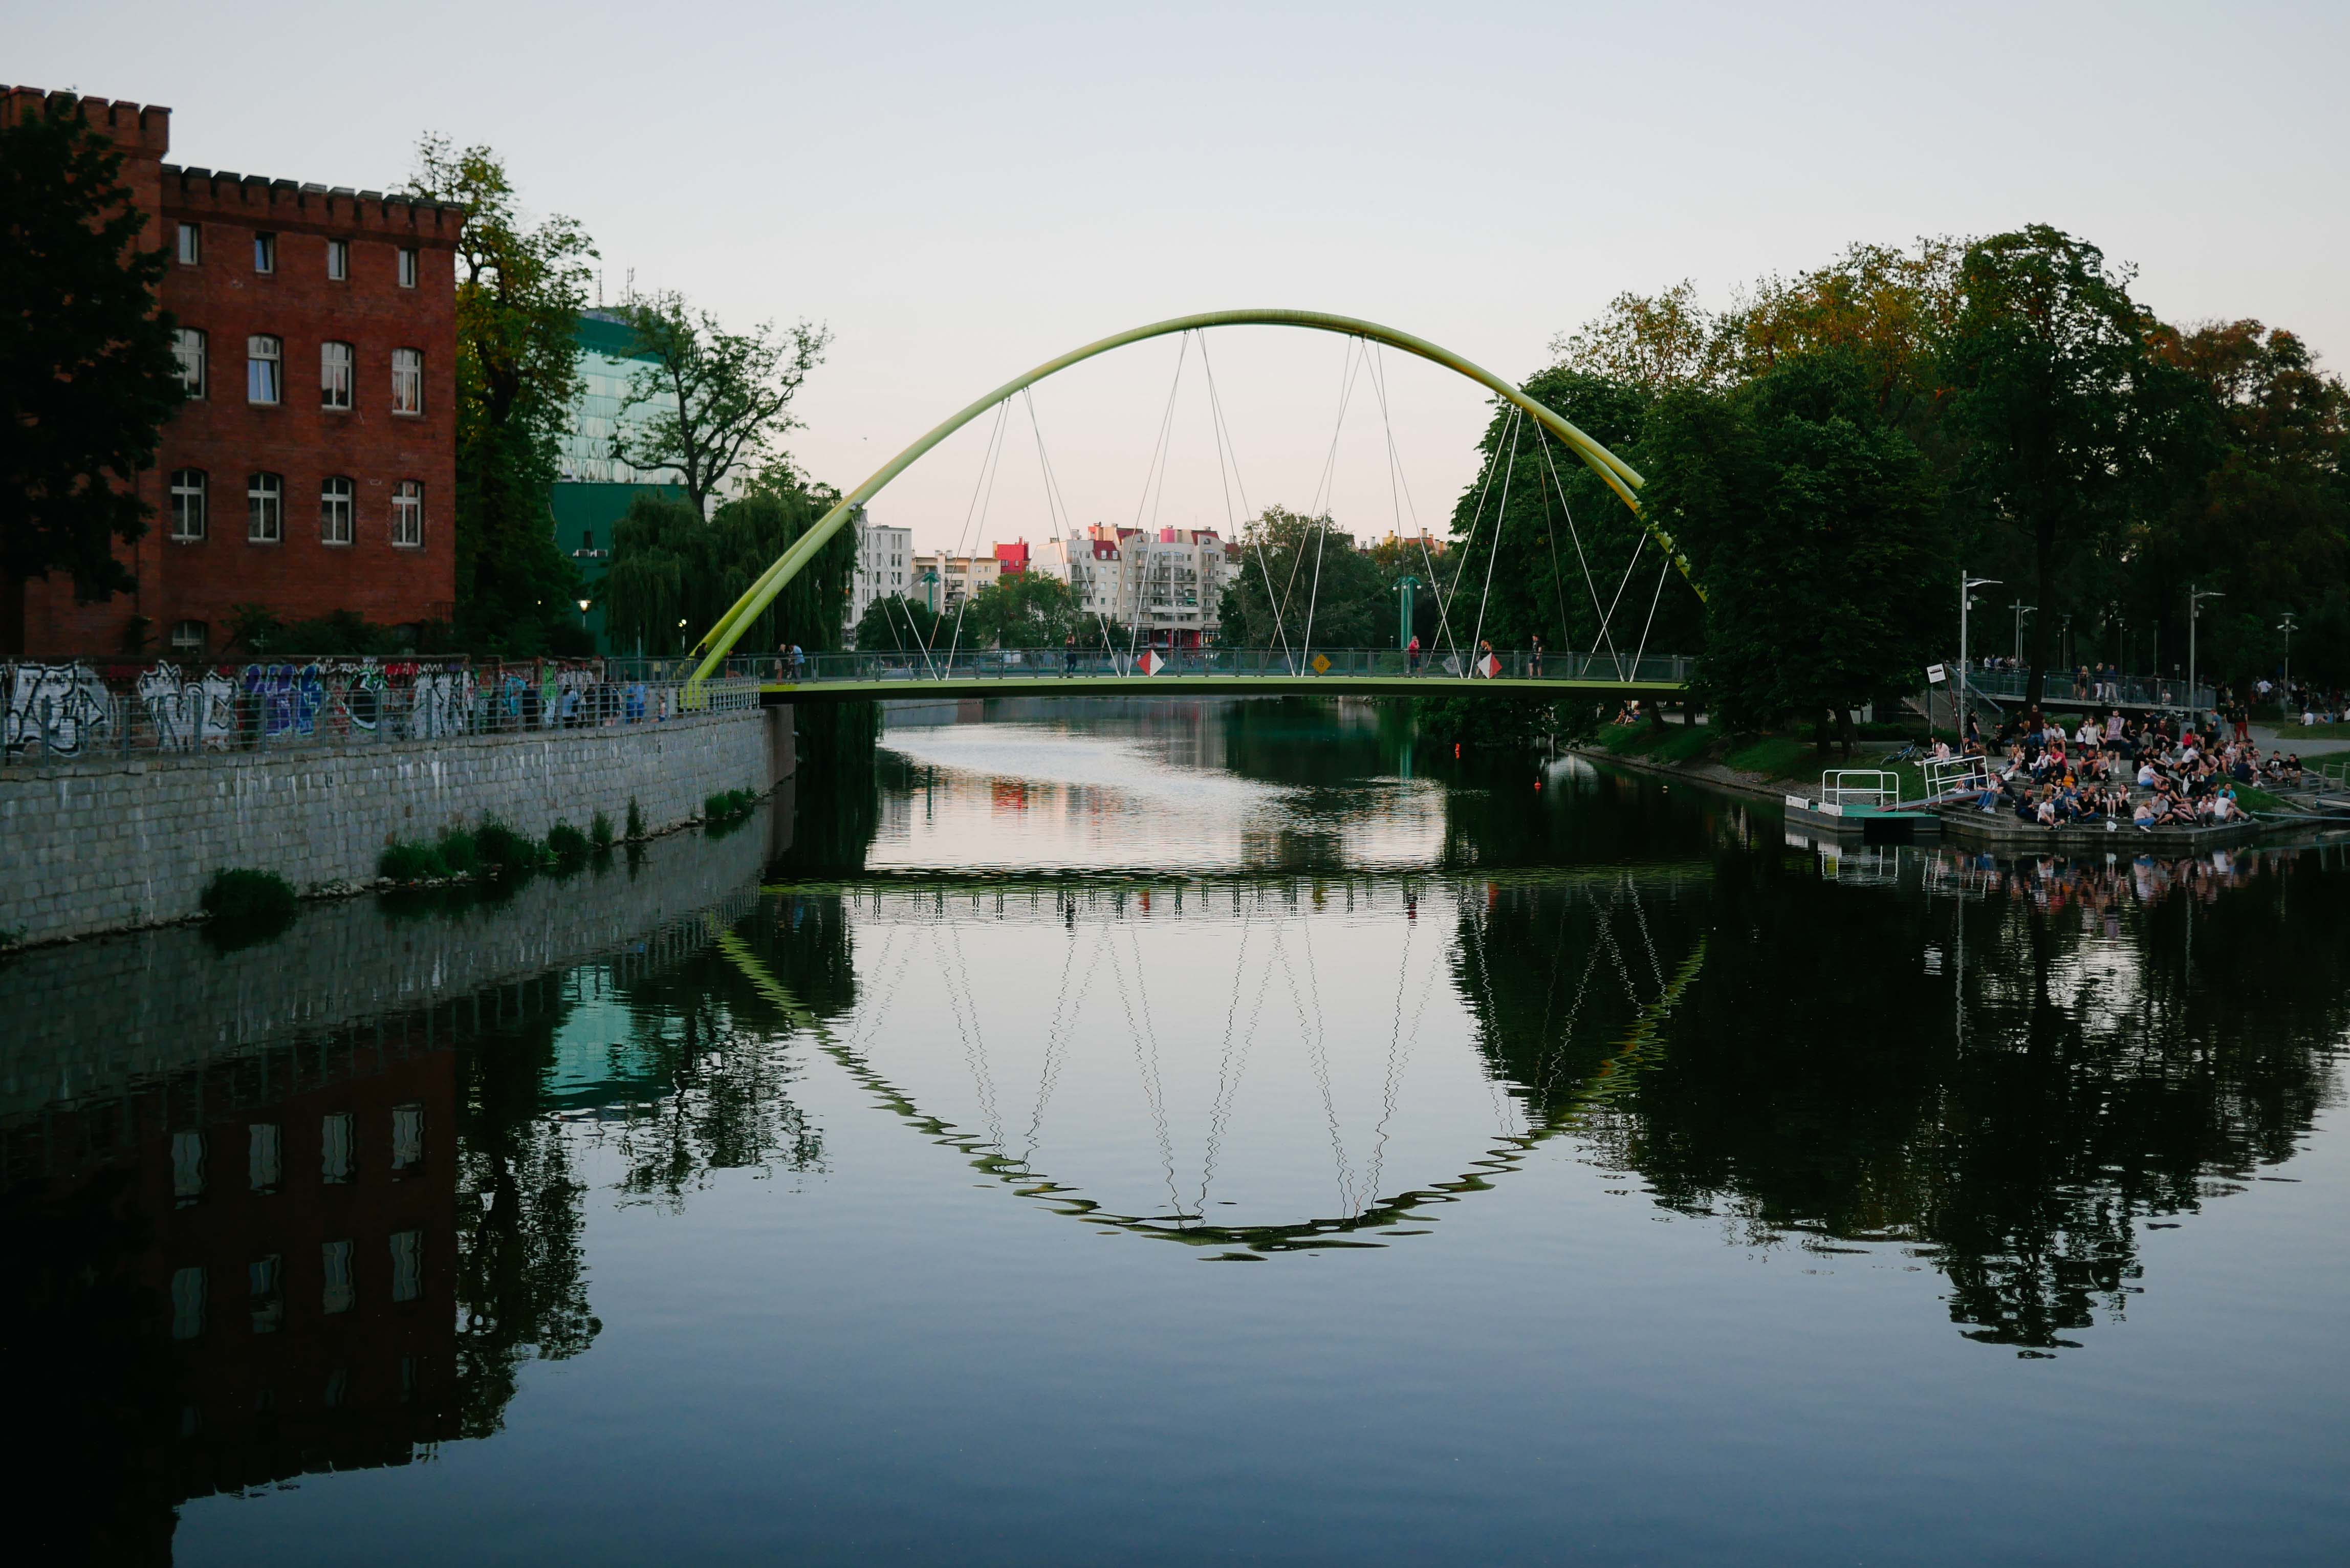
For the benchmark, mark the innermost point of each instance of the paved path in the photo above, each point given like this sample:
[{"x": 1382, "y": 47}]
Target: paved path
[{"x": 2289, "y": 738}]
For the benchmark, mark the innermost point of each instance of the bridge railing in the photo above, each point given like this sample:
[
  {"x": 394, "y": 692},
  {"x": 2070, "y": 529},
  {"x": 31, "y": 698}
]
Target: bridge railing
[
  {"x": 1013, "y": 666},
  {"x": 2066, "y": 688}
]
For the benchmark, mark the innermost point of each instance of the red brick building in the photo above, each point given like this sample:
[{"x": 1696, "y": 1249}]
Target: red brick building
[{"x": 314, "y": 467}]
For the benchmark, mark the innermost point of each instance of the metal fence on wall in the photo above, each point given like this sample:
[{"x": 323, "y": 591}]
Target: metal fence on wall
[{"x": 62, "y": 711}]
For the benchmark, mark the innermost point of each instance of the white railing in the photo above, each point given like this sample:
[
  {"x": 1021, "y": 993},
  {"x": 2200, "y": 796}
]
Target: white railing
[{"x": 1860, "y": 786}]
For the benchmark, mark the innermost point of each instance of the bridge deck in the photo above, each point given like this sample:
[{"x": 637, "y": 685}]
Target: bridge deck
[{"x": 1170, "y": 683}]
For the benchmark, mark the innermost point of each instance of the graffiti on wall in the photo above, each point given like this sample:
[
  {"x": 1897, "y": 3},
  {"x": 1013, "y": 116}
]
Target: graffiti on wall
[
  {"x": 63, "y": 709},
  {"x": 64, "y": 706}
]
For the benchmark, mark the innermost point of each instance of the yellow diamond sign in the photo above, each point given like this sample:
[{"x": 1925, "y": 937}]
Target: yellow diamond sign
[{"x": 1321, "y": 664}]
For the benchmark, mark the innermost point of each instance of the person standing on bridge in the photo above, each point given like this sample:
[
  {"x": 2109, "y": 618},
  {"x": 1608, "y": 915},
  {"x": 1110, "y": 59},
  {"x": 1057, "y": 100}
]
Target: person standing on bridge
[
  {"x": 1533, "y": 658},
  {"x": 1411, "y": 657},
  {"x": 1069, "y": 654}
]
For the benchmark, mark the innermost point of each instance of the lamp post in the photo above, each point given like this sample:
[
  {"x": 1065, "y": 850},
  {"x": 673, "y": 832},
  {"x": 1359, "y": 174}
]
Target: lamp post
[
  {"x": 1404, "y": 587},
  {"x": 583, "y": 613},
  {"x": 1967, "y": 585},
  {"x": 2064, "y": 643},
  {"x": 2021, "y": 609},
  {"x": 2195, "y": 598},
  {"x": 2285, "y": 627}
]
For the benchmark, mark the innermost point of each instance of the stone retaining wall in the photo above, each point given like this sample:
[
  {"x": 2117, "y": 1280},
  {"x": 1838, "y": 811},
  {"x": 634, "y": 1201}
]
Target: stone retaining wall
[
  {"x": 101, "y": 846},
  {"x": 95, "y": 1018}
]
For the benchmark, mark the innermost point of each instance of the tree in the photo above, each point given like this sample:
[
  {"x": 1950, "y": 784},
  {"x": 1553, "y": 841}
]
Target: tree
[
  {"x": 520, "y": 288},
  {"x": 2063, "y": 413},
  {"x": 1815, "y": 528},
  {"x": 673, "y": 575},
  {"x": 718, "y": 399},
  {"x": 87, "y": 371},
  {"x": 1295, "y": 585},
  {"x": 1022, "y": 609},
  {"x": 1650, "y": 342},
  {"x": 897, "y": 625}
]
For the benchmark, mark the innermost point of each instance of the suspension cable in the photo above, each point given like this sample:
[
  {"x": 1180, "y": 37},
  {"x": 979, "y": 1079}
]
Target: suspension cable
[
  {"x": 1574, "y": 533},
  {"x": 1397, "y": 480},
  {"x": 1494, "y": 552}
]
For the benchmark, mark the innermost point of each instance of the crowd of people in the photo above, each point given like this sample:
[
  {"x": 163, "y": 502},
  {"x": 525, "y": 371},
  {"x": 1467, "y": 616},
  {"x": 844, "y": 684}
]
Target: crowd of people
[{"x": 2149, "y": 774}]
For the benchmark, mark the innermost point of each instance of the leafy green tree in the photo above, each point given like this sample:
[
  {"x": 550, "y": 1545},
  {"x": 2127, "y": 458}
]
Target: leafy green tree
[
  {"x": 897, "y": 625},
  {"x": 1816, "y": 529},
  {"x": 673, "y": 575},
  {"x": 1022, "y": 609},
  {"x": 1297, "y": 583},
  {"x": 87, "y": 371},
  {"x": 2270, "y": 524},
  {"x": 520, "y": 288},
  {"x": 2064, "y": 415},
  {"x": 718, "y": 399}
]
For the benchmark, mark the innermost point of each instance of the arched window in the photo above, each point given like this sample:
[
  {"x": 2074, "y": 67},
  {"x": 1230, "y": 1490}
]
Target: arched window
[
  {"x": 335, "y": 375},
  {"x": 337, "y": 504},
  {"x": 264, "y": 509},
  {"x": 188, "y": 485},
  {"x": 407, "y": 513},
  {"x": 263, "y": 362},
  {"x": 408, "y": 380}
]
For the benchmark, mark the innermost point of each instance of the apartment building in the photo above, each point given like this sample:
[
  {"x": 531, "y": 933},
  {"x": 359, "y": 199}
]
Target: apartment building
[
  {"x": 1164, "y": 589},
  {"x": 885, "y": 566}
]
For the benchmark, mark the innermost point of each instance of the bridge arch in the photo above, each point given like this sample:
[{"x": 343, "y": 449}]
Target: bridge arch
[{"x": 1619, "y": 475}]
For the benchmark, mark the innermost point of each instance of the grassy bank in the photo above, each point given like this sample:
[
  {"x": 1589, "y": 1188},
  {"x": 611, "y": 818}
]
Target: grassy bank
[{"x": 1792, "y": 760}]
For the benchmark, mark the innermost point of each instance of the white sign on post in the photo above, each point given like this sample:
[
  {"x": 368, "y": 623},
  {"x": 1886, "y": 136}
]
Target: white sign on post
[{"x": 1935, "y": 675}]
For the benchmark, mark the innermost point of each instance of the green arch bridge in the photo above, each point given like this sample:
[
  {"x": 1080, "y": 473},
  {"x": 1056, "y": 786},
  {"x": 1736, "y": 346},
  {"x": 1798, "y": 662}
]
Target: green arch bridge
[{"x": 1227, "y": 671}]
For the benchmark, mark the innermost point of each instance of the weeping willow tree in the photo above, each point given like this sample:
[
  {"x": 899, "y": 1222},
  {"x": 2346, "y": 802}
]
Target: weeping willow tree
[{"x": 673, "y": 574}]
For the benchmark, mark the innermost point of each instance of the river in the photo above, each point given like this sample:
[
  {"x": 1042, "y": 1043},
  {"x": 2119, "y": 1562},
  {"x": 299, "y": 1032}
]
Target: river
[{"x": 1491, "y": 1159}]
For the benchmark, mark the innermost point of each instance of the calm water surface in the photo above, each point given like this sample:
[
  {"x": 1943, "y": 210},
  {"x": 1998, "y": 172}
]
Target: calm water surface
[{"x": 1191, "y": 1132}]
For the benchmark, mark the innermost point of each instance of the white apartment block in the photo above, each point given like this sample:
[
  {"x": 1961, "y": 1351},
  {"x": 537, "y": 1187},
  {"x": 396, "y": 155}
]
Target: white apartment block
[
  {"x": 1165, "y": 590},
  {"x": 885, "y": 567},
  {"x": 960, "y": 578}
]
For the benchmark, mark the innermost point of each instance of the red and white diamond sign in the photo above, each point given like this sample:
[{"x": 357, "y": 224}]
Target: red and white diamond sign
[
  {"x": 1492, "y": 666},
  {"x": 1152, "y": 664}
]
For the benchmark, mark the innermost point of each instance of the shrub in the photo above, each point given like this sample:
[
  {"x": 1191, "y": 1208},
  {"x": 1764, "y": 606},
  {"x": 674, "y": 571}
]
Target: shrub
[
  {"x": 409, "y": 862},
  {"x": 503, "y": 851},
  {"x": 729, "y": 804},
  {"x": 254, "y": 895},
  {"x": 567, "y": 844},
  {"x": 636, "y": 819},
  {"x": 458, "y": 853},
  {"x": 599, "y": 832}
]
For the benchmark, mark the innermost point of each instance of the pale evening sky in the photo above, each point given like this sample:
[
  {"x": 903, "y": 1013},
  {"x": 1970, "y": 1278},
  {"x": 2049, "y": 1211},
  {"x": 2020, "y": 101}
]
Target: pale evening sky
[{"x": 962, "y": 192}]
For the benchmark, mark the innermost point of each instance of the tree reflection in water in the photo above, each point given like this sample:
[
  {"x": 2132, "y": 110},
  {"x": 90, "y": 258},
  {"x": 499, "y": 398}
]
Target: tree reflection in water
[{"x": 2127, "y": 1042}]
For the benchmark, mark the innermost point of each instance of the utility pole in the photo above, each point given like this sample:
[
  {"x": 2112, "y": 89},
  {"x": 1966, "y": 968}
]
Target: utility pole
[
  {"x": 1967, "y": 585},
  {"x": 2195, "y": 598}
]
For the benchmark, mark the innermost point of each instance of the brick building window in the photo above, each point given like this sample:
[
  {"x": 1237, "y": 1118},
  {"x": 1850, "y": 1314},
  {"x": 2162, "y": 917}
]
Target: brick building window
[
  {"x": 338, "y": 260},
  {"x": 407, "y": 266},
  {"x": 335, "y": 1264},
  {"x": 188, "y": 504},
  {"x": 408, "y": 513},
  {"x": 337, "y": 1161},
  {"x": 407, "y": 1265},
  {"x": 191, "y": 245},
  {"x": 335, "y": 505},
  {"x": 189, "y": 636},
  {"x": 263, "y": 363},
  {"x": 188, "y": 346},
  {"x": 264, "y": 509},
  {"x": 408, "y": 380},
  {"x": 336, "y": 374},
  {"x": 265, "y": 253}
]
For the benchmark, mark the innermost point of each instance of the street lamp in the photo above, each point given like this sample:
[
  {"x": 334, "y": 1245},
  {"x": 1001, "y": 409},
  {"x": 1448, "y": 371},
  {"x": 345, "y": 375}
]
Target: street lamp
[
  {"x": 1404, "y": 587},
  {"x": 1967, "y": 585},
  {"x": 2021, "y": 609},
  {"x": 2286, "y": 627},
  {"x": 2195, "y": 598},
  {"x": 583, "y": 613}
]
